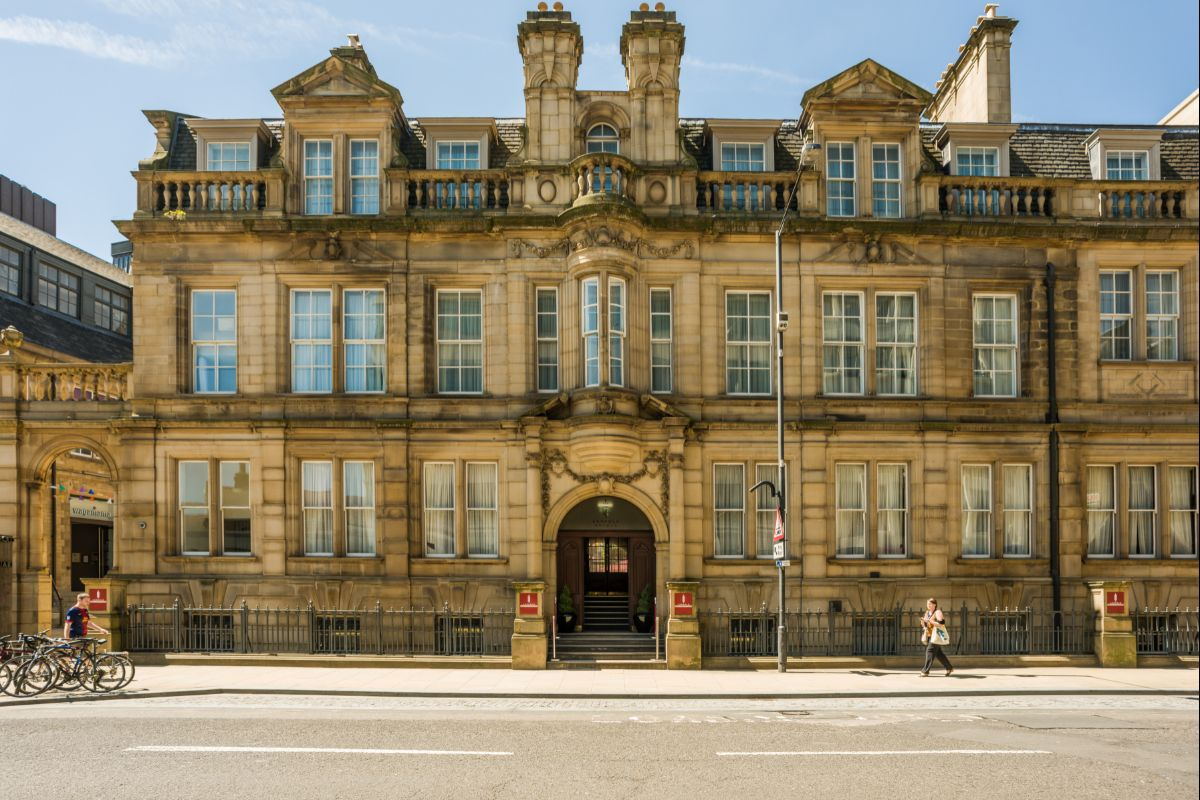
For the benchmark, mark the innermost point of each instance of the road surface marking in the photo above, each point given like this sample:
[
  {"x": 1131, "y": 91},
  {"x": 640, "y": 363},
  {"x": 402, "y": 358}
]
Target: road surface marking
[
  {"x": 179, "y": 748},
  {"x": 888, "y": 753}
]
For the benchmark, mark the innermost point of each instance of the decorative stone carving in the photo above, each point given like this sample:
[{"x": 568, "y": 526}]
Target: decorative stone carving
[
  {"x": 554, "y": 462},
  {"x": 871, "y": 249},
  {"x": 523, "y": 247}
]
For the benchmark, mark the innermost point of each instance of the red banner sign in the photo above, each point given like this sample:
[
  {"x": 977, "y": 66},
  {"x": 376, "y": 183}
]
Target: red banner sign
[
  {"x": 1114, "y": 602},
  {"x": 527, "y": 604},
  {"x": 99, "y": 599},
  {"x": 684, "y": 604},
  {"x": 778, "y": 526}
]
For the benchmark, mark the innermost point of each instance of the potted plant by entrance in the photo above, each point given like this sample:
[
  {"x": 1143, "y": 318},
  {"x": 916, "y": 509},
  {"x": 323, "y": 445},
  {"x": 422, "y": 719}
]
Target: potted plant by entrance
[
  {"x": 643, "y": 616},
  {"x": 566, "y": 610}
]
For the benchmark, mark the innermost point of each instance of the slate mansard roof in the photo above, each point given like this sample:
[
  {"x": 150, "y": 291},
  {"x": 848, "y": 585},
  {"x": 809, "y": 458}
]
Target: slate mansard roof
[{"x": 1036, "y": 150}]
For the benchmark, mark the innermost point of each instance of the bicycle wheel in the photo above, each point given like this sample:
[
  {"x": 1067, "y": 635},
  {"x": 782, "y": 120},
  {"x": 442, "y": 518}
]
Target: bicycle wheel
[
  {"x": 128, "y": 671},
  {"x": 74, "y": 669},
  {"x": 108, "y": 674},
  {"x": 6, "y": 674},
  {"x": 34, "y": 676}
]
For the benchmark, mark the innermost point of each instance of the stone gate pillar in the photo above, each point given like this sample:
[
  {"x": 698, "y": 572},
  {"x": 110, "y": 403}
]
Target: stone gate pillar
[
  {"x": 108, "y": 608},
  {"x": 529, "y": 626},
  {"x": 683, "y": 626},
  {"x": 1115, "y": 643}
]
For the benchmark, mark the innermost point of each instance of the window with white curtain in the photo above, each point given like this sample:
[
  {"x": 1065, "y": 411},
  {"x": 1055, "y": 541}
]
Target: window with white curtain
[
  {"x": 214, "y": 341},
  {"x": 439, "y": 509},
  {"x": 851, "y": 498},
  {"x": 364, "y": 339},
  {"x": 1018, "y": 510},
  {"x": 892, "y": 510},
  {"x": 1116, "y": 315},
  {"x": 460, "y": 341},
  {"x": 318, "y": 176},
  {"x": 885, "y": 180},
  {"x": 839, "y": 178},
  {"x": 312, "y": 340},
  {"x": 358, "y": 499},
  {"x": 1183, "y": 510},
  {"x": 764, "y": 510},
  {"x": 895, "y": 344},
  {"x": 1162, "y": 316},
  {"x": 228, "y": 156},
  {"x": 1142, "y": 512},
  {"x": 995, "y": 336},
  {"x": 316, "y": 501},
  {"x": 193, "y": 508},
  {"x": 616, "y": 331},
  {"x": 1102, "y": 511},
  {"x": 458, "y": 155},
  {"x": 660, "y": 341},
  {"x": 547, "y": 339},
  {"x": 483, "y": 512},
  {"x": 977, "y": 510},
  {"x": 1127, "y": 165},
  {"x": 364, "y": 176},
  {"x": 982, "y": 161},
  {"x": 843, "y": 343},
  {"x": 748, "y": 342},
  {"x": 235, "y": 508},
  {"x": 729, "y": 510},
  {"x": 590, "y": 328}
]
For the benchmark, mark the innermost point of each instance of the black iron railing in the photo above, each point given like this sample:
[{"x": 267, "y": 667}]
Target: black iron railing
[
  {"x": 376, "y": 631},
  {"x": 1166, "y": 631},
  {"x": 897, "y": 632}
]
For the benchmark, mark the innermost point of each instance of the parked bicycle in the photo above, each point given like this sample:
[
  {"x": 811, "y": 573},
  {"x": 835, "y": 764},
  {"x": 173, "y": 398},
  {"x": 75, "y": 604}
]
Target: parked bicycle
[{"x": 34, "y": 663}]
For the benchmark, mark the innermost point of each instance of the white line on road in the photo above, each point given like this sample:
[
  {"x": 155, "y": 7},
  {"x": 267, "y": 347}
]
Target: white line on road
[
  {"x": 888, "y": 753},
  {"x": 173, "y": 748}
]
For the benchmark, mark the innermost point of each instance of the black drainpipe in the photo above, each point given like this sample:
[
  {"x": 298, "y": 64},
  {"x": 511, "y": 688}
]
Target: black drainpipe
[{"x": 1052, "y": 421}]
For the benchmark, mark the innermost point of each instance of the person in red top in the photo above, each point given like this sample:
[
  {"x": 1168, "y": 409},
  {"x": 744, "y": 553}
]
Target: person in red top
[{"x": 78, "y": 622}]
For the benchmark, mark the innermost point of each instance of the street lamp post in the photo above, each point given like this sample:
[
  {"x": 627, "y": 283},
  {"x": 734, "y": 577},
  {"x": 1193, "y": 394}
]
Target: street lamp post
[{"x": 777, "y": 491}]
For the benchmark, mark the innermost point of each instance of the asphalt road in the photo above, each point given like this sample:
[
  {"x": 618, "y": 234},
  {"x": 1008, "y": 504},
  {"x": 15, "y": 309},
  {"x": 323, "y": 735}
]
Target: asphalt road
[{"x": 345, "y": 747}]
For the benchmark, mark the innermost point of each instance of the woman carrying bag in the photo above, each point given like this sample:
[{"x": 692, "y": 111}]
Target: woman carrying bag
[{"x": 934, "y": 637}]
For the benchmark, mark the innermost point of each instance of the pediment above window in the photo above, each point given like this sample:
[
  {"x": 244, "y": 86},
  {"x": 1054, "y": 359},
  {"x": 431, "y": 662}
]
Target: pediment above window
[
  {"x": 868, "y": 85},
  {"x": 346, "y": 75}
]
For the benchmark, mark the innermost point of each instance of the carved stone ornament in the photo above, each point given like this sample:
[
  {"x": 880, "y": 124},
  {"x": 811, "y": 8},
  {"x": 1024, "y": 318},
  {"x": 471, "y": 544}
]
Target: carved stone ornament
[
  {"x": 523, "y": 247},
  {"x": 554, "y": 462},
  {"x": 331, "y": 248},
  {"x": 871, "y": 249}
]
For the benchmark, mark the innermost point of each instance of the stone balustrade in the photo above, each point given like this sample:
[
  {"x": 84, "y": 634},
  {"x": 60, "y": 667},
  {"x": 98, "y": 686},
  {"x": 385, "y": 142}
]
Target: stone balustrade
[
  {"x": 599, "y": 175},
  {"x": 456, "y": 190},
  {"x": 962, "y": 196},
  {"x": 73, "y": 382},
  {"x": 743, "y": 192},
  {"x": 250, "y": 192},
  {"x": 1141, "y": 200}
]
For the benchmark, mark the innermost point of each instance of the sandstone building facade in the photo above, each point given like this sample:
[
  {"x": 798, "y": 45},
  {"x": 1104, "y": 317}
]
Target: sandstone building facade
[{"x": 421, "y": 361}]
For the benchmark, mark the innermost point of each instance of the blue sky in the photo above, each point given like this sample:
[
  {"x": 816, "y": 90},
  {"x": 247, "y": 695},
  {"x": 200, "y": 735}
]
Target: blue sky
[{"x": 75, "y": 74}]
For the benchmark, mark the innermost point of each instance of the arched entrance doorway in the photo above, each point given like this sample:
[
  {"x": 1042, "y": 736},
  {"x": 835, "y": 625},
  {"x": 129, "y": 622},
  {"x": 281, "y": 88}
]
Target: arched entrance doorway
[{"x": 606, "y": 559}]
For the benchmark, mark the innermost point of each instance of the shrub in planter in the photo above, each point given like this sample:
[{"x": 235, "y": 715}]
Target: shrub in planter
[
  {"x": 566, "y": 610},
  {"x": 643, "y": 616}
]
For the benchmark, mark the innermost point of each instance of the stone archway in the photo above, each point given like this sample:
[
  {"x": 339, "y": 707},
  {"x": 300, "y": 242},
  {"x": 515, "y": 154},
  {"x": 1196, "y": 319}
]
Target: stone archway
[{"x": 607, "y": 550}]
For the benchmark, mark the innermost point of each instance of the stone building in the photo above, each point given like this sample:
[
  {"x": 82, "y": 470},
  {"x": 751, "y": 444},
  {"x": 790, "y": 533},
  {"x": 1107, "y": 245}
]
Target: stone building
[{"x": 425, "y": 361}]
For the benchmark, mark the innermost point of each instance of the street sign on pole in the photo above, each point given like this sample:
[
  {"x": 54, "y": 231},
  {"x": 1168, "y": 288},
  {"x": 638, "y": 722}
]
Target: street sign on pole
[
  {"x": 777, "y": 551},
  {"x": 778, "y": 526}
]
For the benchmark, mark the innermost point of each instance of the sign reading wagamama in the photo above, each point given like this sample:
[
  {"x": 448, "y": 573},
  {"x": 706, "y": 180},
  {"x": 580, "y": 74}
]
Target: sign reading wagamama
[{"x": 91, "y": 509}]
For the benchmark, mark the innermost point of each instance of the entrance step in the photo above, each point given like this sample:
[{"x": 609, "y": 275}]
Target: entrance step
[
  {"x": 607, "y": 612},
  {"x": 592, "y": 647}
]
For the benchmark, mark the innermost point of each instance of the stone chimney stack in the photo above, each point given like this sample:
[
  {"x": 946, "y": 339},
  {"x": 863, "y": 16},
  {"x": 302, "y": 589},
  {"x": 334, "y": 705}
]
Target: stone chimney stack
[
  {"x": 651, "y": 49},
  {"x": 551, "y": 48},
  {"x": 977, "y": 86}
]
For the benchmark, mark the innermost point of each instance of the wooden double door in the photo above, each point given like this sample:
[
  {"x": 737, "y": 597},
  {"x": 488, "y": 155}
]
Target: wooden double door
[{"x": 604, "y": 563}]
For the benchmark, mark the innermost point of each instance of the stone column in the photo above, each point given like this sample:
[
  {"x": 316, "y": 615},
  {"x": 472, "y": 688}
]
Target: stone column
[
  {"x": 108, "y": 608},
  {"x": 683, "y": 627},
  {"x": 1115, "y": 643},
  {"x": 529, "y": 626}
]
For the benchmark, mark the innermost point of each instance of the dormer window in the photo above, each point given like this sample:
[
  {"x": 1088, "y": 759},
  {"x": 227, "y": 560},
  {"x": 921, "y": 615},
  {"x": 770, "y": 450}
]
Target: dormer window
[
  {"x": 982, "y": 162},
  {"x": 743, "y": 157},
  {"x": 364, "y": 176},
  {"x": 228, "y": 156},
  {"x": 602, "y": 138},
  {"x": 458, "y": 155},
  {"x": 318, "y": 176},
  {"x": 1127, "y": 165},
  {"x": 840, "y": 177}
]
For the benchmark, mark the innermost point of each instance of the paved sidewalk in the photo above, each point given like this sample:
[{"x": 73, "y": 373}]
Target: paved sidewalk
[{"x": 615, "y": 683}]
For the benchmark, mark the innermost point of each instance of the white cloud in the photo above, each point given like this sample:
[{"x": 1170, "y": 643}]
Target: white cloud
[
  {"x": 83, "y": 37},
  {"x": 743, "y": 69}
]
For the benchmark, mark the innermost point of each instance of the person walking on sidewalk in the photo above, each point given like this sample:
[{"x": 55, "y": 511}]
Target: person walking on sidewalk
[
  {"x": 78, "y": 622},
  {"x": 930, "y": 622}
]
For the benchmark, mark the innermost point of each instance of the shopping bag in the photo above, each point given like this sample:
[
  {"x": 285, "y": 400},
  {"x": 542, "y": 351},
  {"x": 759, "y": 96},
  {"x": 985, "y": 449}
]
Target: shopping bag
[{"x": 940, "y": 636}]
